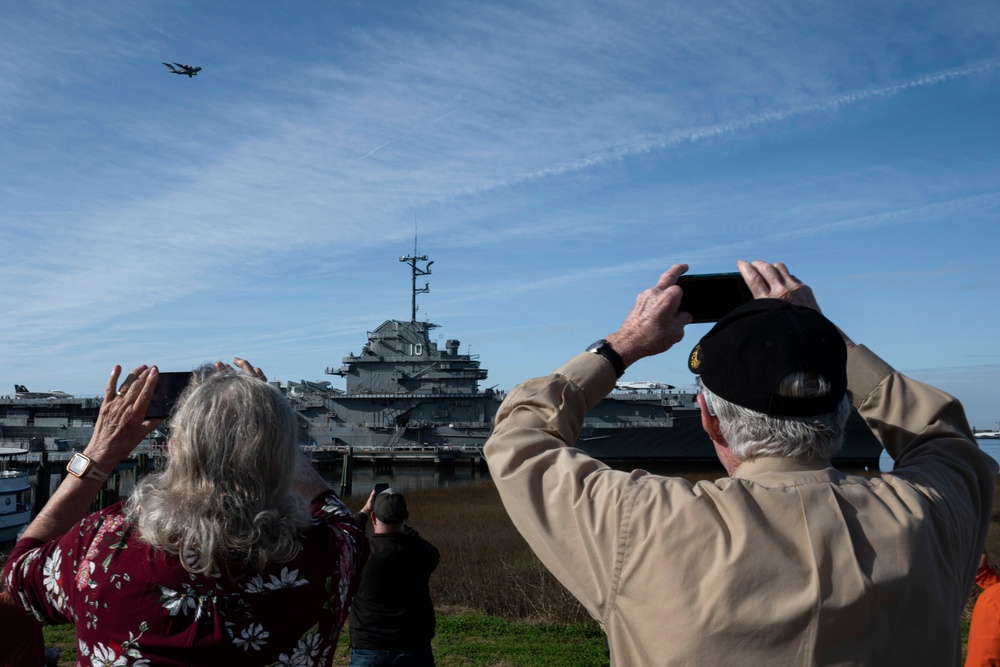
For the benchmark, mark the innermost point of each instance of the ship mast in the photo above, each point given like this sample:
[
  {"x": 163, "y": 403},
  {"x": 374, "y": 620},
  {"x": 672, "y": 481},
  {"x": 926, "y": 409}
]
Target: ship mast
[{"x": 414, "y": 272}]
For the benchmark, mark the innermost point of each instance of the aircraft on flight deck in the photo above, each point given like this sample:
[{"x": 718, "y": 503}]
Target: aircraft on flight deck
[
  {"x": 22, "y": 392},
  {"x": 643, "y": 386},
  {"x": 183, "y": 69}
]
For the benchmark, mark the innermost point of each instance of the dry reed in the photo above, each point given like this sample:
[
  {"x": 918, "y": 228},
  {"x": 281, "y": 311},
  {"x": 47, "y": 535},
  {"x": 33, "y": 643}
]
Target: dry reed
[{"x": 486, "y": 565}]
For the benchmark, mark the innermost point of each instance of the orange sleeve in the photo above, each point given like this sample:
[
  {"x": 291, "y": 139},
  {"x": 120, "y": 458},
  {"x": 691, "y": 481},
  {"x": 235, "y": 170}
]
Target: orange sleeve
[
  {"x": 984, "y": 630},
  {"x": 986, "y": 577}
]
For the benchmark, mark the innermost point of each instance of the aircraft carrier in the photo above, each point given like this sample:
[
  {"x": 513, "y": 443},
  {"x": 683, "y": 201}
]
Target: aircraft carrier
[
  {"x": 404, "y": 393},
  {"x": 51, "y": 421}
]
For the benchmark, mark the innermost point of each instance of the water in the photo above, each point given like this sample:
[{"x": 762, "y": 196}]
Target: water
[
  {"x": 426, "y": 477},
  {"x": 990, "y": 446}
]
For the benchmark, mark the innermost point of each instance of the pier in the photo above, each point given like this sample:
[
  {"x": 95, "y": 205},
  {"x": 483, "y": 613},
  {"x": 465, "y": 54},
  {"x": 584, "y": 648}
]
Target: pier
[{"x": 323, "y": 455}]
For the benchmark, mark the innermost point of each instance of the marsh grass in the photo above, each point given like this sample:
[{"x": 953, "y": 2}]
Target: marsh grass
[{"x": 486, "y": 566}]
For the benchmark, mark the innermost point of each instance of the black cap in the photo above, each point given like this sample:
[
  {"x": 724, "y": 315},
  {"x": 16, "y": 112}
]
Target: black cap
[
  {"x": 749, "y": 351},
  {"x": 390, "y": 507}
]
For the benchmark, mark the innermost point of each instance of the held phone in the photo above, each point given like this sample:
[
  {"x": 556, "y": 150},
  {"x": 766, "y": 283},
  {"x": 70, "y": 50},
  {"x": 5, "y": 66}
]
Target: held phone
[
  {"x": 168, "y": 388},
  {"x": 380, "y": 487},
  {"x": 710, "y": 297}
]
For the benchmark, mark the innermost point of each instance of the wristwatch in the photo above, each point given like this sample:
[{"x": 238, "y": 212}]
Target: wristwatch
[
  {"x": 84, "y": 468},
  {"x": 603, "y": 348}
]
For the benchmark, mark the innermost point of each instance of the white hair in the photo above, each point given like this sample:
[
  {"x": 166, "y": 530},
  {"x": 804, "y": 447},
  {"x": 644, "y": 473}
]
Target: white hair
[
  {"x": 751, "y": 434},
  {"x": 226, "y": 494}
]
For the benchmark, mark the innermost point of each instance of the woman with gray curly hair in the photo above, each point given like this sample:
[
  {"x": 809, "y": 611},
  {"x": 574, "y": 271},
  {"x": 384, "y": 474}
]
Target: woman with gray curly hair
[{"x": 238, "y": 553}]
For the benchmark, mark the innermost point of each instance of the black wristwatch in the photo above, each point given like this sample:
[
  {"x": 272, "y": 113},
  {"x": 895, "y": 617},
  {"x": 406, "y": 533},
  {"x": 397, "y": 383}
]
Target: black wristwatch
[{"x": 603, "y": 348}]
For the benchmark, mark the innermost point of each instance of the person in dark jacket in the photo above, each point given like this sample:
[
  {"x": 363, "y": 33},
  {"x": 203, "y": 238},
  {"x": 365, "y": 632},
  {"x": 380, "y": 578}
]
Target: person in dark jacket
[{"x": 392, "y": 616}]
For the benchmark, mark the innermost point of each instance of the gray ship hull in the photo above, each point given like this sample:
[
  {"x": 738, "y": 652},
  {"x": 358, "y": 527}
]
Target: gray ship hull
[{"x": 51, "y": 424}]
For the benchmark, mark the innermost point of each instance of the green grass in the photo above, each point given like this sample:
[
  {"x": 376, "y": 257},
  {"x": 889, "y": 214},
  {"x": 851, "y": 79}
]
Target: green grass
[
  {"x": 63, "y": 636},
  {"x": 477, "y": 640}
]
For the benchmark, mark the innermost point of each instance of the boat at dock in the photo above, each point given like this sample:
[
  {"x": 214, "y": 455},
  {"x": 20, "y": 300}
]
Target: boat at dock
[{"x": 15, "y": 488}]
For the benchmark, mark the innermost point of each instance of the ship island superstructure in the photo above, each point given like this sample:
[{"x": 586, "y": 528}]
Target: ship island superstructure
[{"x": 402, "y": 392}]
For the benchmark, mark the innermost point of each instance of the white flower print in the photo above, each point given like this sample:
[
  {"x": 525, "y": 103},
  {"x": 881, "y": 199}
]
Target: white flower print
[
  {"x": 343, "y": 589},
  {"x": 309, "y": 644},
  {"x": 107, "y": 656},
  {"x": 104, "y": 656},
  {"x": 306, "y": 653},
  {"x": 252, "y": 638},
  {"x": 24, "y": 567},
  {"x": 174, "y": 602},
  {"x": 286, "y": 579},
  {"x": 255, "y": 585},
  {"x": 52, "y": 571},
  {"x": 334, "y": 508},
  {"x": 296, "y": 659}
]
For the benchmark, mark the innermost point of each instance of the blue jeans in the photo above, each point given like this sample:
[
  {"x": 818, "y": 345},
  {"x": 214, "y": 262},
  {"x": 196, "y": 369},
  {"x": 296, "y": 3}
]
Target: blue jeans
[{"x": 414, "y": 657}]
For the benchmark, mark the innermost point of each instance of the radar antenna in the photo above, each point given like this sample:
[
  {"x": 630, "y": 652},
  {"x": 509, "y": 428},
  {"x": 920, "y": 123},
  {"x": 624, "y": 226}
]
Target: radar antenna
[{"x": 414, "y": 272}]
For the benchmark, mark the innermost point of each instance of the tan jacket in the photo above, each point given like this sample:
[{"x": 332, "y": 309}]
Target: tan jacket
[{"x": 789, "y": 562}]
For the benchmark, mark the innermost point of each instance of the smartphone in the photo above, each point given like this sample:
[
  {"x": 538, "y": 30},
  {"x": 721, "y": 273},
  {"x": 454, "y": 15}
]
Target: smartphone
[
  {"x": 710, "y": 297},
  {"x": 380, "y": 487},
  {"x": 168, "y": 388}
]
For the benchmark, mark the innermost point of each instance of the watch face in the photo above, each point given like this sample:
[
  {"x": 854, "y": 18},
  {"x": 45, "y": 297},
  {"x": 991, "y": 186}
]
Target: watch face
[{"x": 78, "y": 465}]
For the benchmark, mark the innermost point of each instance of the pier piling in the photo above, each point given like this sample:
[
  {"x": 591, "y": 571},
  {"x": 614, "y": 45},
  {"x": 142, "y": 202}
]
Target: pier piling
[{"x": 346, "y": 470}]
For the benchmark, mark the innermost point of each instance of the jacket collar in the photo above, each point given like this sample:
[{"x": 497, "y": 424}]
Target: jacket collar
[{"x": 766, "y": 464}]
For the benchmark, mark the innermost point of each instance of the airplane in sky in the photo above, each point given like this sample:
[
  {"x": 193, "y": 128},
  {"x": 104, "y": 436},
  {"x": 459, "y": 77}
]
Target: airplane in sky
[
  {"x": 183, "y": 69},
  {"x": 22, "y": 392}
]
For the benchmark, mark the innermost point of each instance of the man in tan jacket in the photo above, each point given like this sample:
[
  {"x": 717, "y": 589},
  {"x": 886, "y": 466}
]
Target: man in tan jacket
[{"x": 787, "y": 561}]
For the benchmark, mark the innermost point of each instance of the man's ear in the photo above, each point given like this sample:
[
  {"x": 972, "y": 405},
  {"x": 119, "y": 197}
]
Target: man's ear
[{"x": 709, "y": 422}]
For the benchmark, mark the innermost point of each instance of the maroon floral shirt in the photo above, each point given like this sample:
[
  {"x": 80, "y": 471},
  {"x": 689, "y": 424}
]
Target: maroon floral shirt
[{"x": 136, "y": 606}]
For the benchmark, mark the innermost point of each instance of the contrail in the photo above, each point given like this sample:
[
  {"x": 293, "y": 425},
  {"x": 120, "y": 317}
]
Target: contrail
[
  {"x": 406, "y": 134},
  {"x": 710, "y": 131}
]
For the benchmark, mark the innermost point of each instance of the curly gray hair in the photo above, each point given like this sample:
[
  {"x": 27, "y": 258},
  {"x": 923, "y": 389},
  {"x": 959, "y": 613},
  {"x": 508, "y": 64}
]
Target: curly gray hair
[{"x": 226, "y": 494}]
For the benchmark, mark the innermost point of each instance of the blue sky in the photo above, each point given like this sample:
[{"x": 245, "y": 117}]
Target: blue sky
[{"x": 553, "y": 157}]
